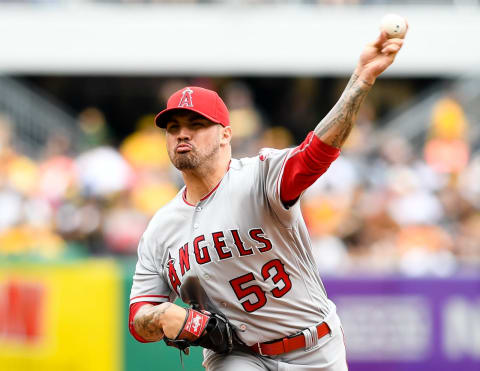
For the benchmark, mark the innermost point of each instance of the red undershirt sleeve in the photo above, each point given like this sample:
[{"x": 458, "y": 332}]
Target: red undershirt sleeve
[
  {"x": 304, "y": 166},
  {"x": 134, "y": 308}
]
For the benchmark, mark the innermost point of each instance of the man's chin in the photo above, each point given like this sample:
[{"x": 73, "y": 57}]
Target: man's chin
[{"x": 184, "y": 162}]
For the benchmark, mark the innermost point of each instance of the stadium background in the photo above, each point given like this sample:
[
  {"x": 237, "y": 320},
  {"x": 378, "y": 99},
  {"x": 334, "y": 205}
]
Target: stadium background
[{"x": 395, "y": 222}]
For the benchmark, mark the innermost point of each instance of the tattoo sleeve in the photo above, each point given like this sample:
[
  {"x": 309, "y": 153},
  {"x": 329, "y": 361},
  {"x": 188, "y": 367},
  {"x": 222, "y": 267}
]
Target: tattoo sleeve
[
  {"x": 336, "y": 126},
  {"x": 147, "y": 324}
]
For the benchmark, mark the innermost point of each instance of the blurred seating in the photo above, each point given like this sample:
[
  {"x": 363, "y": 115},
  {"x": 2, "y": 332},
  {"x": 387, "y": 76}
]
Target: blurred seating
[{"x": 388, "y": 208}]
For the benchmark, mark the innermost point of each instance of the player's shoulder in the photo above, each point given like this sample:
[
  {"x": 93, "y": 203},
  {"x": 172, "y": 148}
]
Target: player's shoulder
[
  {"x": 269, "y": 153},
  {"x": 242, "y": 163},
  {"x": 263, "y": 155}
]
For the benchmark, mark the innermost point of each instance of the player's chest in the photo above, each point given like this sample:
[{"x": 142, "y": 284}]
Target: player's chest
[
  {"x": 215, "y": 230},
  {"x": 223, "y": 248}
]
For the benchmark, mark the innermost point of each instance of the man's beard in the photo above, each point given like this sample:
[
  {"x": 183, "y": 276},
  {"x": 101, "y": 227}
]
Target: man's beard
[{"x": 193, "y": 159}]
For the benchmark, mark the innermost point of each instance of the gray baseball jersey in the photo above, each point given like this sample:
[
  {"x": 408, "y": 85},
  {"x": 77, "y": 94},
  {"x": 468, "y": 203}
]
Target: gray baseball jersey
[{"x": 238, "y": 251}]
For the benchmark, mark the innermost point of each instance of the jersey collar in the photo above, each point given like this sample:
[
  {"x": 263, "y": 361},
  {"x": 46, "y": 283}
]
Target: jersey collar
[{"x": 184, "y": 193}]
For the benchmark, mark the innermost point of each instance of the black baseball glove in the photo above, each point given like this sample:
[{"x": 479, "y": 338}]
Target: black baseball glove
[{"x": 208, "y": 330}]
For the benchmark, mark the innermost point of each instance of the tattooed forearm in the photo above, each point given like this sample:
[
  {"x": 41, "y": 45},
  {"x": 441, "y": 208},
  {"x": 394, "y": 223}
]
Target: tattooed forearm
[
  {"x": 147, "y": 323},
  {"x": 148, "y": 328},
  {"x": 164, "y": 307},
  {"x": 336, "y": 126}
]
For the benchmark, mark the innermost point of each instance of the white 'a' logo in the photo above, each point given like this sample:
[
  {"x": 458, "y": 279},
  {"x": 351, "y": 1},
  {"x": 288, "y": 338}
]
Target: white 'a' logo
[{"x": 186, "y": 100}]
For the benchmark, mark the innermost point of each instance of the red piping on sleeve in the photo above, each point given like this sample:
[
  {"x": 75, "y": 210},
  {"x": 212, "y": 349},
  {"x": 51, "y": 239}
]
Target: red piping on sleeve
[
  {"x": 305, "y": 165},
  {"x": 134, "y": 308},
  {"x": 150, "y": 296}
]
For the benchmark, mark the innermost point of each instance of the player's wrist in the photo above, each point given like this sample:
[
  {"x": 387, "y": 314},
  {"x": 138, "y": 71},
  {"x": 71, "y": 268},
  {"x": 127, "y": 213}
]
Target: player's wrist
[
  {"x": 365, "y": 78},
  {"x": 171, "y": 319}
]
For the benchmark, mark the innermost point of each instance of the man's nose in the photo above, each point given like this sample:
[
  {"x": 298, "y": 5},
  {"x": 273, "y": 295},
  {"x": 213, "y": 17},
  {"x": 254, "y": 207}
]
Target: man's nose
[{"x": 184, "y": 133}]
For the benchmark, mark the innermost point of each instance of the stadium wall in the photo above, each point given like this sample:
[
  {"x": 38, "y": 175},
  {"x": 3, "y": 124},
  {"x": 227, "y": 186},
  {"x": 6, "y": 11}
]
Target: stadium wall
[{"x": 73, "y": 316}]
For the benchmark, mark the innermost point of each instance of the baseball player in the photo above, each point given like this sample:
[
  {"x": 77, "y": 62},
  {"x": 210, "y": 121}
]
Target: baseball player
[{"x": 233, "y": 244}]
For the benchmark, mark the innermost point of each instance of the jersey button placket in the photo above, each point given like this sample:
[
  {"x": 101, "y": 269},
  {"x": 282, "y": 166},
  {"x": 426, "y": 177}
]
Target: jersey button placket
[
  {"x": 196, "y": 225},
  {"x": 198, "y": 208}
]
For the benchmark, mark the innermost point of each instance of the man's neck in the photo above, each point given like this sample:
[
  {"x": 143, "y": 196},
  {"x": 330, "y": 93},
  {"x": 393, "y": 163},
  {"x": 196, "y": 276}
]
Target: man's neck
[{"x": 200, "y": 182}]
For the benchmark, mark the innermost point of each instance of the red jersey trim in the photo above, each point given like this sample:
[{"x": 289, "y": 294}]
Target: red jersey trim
[
  {"x": 213, "y": 190},
  {"x": 150, "y": 296},
  {"x": 300, "y": 172},
  {"x": 280, "y": 176},
  {"x": 328, "y": 149},
  {"x": 184, "y": 197},
  {"x": 184, "y": 194},
  {"x": 299, "y": 149},
  {"x": 133, "y": 309}
]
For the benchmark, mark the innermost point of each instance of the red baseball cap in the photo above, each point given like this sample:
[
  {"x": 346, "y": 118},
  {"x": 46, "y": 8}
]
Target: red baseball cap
[{"x": 200, "y": 100}]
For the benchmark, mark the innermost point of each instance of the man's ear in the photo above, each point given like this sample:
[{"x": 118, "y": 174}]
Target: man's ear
[{"x": 226, "y": 135}]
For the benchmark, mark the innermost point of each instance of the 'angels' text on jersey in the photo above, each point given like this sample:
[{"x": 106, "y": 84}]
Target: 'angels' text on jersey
[{"x": 201, "y": 252}]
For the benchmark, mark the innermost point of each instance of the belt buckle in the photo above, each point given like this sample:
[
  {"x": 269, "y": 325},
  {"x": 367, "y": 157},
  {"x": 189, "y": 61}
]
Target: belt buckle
[
  {"x": 259, "y": 345},
  {"x": 311, "y": 337}
]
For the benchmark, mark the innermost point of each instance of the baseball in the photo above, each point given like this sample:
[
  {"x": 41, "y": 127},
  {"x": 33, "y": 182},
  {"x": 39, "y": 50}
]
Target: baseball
[{"x": 394, "y": 25}]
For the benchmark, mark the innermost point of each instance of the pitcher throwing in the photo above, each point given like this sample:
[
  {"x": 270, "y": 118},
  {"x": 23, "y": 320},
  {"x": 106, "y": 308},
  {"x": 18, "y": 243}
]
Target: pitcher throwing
[{"x": 233, "y": 244}]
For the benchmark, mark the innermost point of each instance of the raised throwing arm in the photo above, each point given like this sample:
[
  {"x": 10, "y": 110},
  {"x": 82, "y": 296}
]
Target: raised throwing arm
[{"x": 375, "y": 58}]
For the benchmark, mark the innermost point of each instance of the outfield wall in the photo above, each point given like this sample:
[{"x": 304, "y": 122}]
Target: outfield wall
[{"x": 73, "y": 316}]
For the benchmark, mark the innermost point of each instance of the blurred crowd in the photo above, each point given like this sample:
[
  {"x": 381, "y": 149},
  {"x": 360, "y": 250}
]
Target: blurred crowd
[
  {"x": 388, "y": 207},
  {"x": 400, "y": 207}
]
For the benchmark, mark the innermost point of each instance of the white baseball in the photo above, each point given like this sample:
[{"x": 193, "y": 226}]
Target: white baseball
[{"x": 394, "y": 25}]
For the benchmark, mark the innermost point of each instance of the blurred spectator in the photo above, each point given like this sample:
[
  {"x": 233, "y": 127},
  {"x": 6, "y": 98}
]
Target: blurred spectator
[
  {"x": 123, "y": 226},
  {"x": 152, "y": 192},
  {"x": 93, "y": 127},
  {"x": 102, "y": 171},
  {"x": 5, "y": 135},
  {"x": 389, "y": 209},
  {"x": 467, "y": 248},
  {"x": 425, "y": 250},
  {"x": 446, "y": 150},
  {"x": 57, "y": 176},
  {"x": 245, "y": 119},
  {"x": 469, "y": 184},
  {"x": 276, "y": 137},
  {"x": 146, "y": 147}
]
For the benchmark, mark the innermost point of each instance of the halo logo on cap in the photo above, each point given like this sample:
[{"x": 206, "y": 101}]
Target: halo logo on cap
[
  {"x": 207, "y": 104},
  {"x": 186, "y": 100}
]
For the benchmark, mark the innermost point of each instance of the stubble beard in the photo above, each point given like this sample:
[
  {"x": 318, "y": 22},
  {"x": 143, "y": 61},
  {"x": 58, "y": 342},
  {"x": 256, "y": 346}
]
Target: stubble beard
[{"x": 193, "y": 159}]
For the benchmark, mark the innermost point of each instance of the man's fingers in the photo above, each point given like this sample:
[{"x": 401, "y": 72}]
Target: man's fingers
[
  {"x": 380, "y": 40},
  {"x": 393, "y": 48},
  {"x": 392, "y": 45},
  {"x": 383, "y": 41},
  {"x": 398, "y": 42}
]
